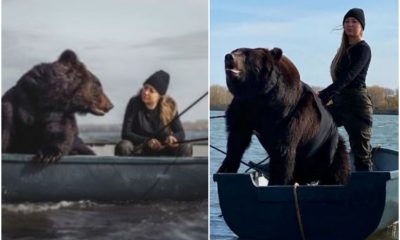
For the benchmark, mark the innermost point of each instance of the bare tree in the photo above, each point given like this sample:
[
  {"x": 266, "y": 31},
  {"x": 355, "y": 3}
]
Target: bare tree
[{"x": 220, "y": 97}]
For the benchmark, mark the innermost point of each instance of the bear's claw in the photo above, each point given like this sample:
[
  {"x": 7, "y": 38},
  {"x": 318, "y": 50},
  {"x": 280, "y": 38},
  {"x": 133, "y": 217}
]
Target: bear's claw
[{"x": 48, "y": 155}]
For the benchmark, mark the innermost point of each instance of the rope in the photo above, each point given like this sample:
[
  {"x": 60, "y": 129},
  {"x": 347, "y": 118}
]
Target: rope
[
  {"x": 375, "y": 150},
  {"x": 154, "y": 185},
  {"x": 296, "y": 203}
]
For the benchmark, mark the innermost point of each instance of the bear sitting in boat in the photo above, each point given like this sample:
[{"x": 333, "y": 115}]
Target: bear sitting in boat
[
  {"x": 295, "y": 129},
  {"x": 38, "y": 113}
]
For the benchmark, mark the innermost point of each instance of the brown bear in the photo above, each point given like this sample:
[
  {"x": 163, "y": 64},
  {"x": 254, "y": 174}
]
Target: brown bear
[
  {"x": 38, "y": 113},
  {"x": 291, "y": 124}
]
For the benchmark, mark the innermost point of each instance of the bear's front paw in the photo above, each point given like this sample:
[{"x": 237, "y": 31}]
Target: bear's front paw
[
  {"x": 48, "y": 155},
  {"x": 227, "y": 168},
  {"x": 229, "y": 165},
  {"x": 222, "y": 169}
]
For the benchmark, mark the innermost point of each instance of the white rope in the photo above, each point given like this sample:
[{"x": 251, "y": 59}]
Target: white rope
[{"x": 296, "y": 203}]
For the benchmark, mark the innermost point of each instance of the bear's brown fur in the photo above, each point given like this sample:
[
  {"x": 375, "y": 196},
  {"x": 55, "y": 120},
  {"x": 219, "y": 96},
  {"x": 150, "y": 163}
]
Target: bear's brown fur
[
  {"x": 38, "y": 113},
  {"x": 294, "y": 128}
]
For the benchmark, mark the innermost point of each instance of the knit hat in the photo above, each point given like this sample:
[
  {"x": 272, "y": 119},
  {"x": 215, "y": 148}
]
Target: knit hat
[
  {"x": 159, "y": 80},
  {"x": 356, "y": 13}
]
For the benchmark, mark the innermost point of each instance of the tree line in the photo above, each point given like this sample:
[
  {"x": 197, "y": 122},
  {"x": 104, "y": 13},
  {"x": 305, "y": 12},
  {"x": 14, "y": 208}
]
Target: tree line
[{"x": 384, "y": 100}]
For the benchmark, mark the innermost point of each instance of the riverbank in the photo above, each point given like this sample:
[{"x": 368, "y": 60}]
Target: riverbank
[
  {"x": 213, "y": 108},
  {"x": 376, "y": 112},
  {"x": 199, "y": 125},
  {"x": 386, "y": 112}
]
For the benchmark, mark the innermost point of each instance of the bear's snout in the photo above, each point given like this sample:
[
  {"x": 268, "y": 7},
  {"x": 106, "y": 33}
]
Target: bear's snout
[
  {"x": 230, "y": 67},
  {"x": 229, "y": 61}
]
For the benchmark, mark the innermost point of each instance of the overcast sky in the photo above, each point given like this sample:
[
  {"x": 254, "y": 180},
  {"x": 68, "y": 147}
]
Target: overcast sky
[
  {"x": 124, "y": 41},
  {"x": 304, "y": 31},
  {"x": 121, "y": 41}
]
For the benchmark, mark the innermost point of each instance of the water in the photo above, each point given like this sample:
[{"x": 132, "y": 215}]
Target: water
[
  {"x": 173, "y": 220},
  {"x": 89, "y": 220},
  {"x": 385, "y": 132}
]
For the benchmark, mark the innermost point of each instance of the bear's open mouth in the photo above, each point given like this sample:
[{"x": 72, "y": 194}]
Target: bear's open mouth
[
  {"x": 97, "y": 111},
  {"x": 232, "y": 72}
]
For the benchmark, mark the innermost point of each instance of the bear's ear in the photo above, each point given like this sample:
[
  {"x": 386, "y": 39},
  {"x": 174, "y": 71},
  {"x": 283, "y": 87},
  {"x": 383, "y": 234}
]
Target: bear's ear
[
  {"x": 68, "y": 57},
  {"x": 276, "y": 53}
]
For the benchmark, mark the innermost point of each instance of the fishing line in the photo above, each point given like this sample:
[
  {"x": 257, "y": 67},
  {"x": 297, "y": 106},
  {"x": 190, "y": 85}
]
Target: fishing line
[
  {"x": 141, "y": 146},
  {"x": 258, "y": 164},
  {"x": 244, "y": 163}
]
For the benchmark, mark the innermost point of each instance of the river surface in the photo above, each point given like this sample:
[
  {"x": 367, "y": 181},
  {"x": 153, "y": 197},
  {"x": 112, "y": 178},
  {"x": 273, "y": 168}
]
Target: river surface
[
  {"x": 385, "y": 133},
  {"x": 89, "y": 220}
]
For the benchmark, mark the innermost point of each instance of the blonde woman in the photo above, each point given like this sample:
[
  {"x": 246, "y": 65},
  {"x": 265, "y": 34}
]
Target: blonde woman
[
  {"x": 351, "y": 106},
  {"x": 146, "y": 114}
]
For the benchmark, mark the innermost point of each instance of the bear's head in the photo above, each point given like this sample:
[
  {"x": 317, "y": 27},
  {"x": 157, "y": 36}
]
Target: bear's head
[
  {"x": 253, "y": 72},
  {"x": 88, "y": 95},
  {"x": 66, "y": 85}
]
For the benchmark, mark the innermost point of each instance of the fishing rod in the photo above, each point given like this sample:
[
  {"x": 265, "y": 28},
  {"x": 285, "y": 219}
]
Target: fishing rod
[
  {"x": 257, "y": 164},
  {"x": 141, "y": 146},
  {"x": 193, "y": 140},
  {"x": 221, "y": 116},
  {"x": 184, "y": 111},
  {"x": 190, "y": 140},
  {"x": 250, "y": 165},
  {"x": 219, "y": 150}
]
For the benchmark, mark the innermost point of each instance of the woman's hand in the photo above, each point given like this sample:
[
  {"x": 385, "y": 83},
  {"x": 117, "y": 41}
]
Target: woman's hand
[
  {"x": 171, "y": 141},
  {"x": 154, "y": 144}
]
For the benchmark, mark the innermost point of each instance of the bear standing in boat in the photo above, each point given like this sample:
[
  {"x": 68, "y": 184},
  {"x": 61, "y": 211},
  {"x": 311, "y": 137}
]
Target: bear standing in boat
[
  {"x": 38, "y": 113},
  {"x": 292, "y": 125}
]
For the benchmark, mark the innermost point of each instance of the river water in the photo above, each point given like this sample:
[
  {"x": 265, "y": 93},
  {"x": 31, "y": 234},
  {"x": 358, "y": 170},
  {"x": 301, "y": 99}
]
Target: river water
[
  {"x": 175, "y": 220},
  {"x": 89, "y": 220},
  {"x": 385, "y": 132}
]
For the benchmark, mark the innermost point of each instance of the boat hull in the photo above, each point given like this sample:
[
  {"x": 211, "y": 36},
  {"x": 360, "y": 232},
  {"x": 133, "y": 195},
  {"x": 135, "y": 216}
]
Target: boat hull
[
  {"x": 107, "y": 179},
  {"x": 366, "y": 204}
]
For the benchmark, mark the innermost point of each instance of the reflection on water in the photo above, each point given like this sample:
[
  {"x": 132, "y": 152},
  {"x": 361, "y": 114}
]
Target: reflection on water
[{"x": 89, "y": 220}]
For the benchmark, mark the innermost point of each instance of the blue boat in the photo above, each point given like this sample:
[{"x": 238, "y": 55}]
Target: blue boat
[{"x": 366, "y": 204}]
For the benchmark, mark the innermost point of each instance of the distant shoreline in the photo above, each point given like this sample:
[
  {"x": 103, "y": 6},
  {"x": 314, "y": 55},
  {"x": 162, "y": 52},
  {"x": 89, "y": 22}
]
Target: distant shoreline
[
  {"x": 376, "y": 112},
  {"x": 199, "y": 125},
  {"x": 388, "y": 112},
  {"x": 218, "y": 108}
]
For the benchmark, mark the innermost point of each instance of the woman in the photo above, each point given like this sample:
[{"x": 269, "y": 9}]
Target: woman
[
  {"x": 351, "y": 106},
  {"x": 150, "y": 125}
]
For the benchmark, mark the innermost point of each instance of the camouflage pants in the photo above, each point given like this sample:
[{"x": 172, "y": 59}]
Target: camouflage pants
[{"x": 353, "y": 110}]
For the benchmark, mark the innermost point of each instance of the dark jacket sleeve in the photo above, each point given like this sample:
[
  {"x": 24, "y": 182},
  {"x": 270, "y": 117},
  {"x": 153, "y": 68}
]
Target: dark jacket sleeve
[
  {"x": 359, "y": 57},
  {"x": 177, "y": 129},
  {"x": 127, "y": 132}
]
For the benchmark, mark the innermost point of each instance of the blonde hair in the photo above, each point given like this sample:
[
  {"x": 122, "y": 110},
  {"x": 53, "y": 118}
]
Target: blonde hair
[
  {"x": 339, "y": 54},
  {"x": 167, "y": 109},
  {"x": 344, "y": 46}
]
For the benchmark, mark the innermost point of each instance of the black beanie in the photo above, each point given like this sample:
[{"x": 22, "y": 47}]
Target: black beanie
[
  {"x": 159, "y": 80},
  {"x": 356, "y": 13}
]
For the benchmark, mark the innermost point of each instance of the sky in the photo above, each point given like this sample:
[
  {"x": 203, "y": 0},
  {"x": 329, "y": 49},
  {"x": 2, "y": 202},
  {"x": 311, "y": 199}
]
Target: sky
[
  {"x": 305, "y": 31},
  {"x": 121, "y": 41}
]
